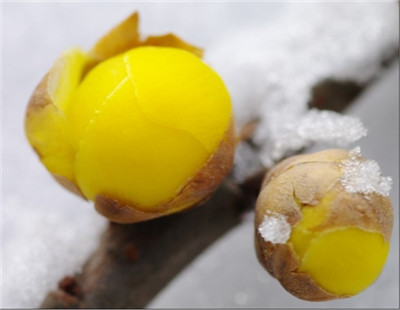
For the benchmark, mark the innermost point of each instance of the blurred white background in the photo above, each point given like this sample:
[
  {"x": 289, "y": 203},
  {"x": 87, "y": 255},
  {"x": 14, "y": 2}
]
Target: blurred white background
[{"x": 41, "y": 222}]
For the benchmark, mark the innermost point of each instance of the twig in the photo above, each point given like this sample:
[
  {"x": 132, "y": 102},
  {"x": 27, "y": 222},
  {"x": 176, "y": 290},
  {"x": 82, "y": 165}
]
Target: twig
[{"x": 134, "y": 262}]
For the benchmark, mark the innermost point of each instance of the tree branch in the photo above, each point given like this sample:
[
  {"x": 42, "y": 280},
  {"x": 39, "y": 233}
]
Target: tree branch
[{"x": 134, "y": 262}]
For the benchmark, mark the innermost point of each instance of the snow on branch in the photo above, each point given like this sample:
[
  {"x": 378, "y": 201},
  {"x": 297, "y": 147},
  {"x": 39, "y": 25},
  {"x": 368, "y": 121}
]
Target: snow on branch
[{"x": 271, "y": 70}]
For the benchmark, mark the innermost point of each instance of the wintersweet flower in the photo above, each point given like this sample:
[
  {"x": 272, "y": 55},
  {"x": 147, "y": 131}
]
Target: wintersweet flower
[{"x": 143, "y": 127}]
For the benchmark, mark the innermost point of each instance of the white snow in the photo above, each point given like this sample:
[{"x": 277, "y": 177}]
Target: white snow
[
  {"x": 44, "y": 244},
  {"x": 271, "y": 69},
  {"x": 246, "y": 162},
  {"x": 294, "y": 132},
  {"x": 275, "y": 228},
  {"x": 364, "y": 176}
]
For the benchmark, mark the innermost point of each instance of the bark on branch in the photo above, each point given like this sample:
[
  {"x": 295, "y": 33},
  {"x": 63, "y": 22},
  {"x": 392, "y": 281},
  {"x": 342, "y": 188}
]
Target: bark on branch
[{"x": 134, "y": 262}]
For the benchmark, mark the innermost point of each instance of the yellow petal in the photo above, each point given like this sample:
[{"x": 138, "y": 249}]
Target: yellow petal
[
  {"x": 183, "y": 91},
  {"x": 126, "y": 155},
  {"x": 345, "y": 261},
  {"x": 47, "y": 129},
  {"x": 147, "y": 121}
]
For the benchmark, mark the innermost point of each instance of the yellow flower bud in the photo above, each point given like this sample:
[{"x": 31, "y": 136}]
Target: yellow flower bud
[
  {"x": 323, "y": 224},
  {"x": 143, "y": 128}
]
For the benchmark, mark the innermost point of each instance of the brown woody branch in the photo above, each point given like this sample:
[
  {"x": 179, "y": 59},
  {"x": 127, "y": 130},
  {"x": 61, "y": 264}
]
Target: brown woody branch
[{"x": 134, "y": 262}]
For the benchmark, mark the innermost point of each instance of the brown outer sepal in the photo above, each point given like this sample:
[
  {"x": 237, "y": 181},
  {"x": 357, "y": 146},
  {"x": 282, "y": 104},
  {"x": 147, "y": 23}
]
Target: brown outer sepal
[
  {"x": 40, "y": 97},
  {"x": 119, "y": 212},
  {"x": 171, "y": 40},
  {"x": 126, "y": 36},
  {"x": 69, "y": 185},
  {"x": 197, "y": 189},
  {"x": 118, "y": 40}
]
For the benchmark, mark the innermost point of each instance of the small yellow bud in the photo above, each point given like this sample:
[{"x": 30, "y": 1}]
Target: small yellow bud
[
  {"x": 143, "y": 128},
  {"x": 323, "y": 224}
]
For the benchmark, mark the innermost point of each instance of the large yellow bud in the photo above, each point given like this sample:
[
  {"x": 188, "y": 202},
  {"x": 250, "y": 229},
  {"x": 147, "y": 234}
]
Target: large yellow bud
[{"x": 144, "y": 130}]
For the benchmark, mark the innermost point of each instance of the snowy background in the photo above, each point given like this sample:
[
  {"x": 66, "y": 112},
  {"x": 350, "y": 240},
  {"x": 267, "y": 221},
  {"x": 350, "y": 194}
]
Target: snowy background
[{"x": 270, "y": 55}]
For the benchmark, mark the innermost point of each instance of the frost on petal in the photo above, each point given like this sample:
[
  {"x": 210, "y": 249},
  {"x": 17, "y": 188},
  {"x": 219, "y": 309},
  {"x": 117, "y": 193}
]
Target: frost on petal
[
  {"x": 275, "y": 228},
  {"x": 364, "y": 176}
]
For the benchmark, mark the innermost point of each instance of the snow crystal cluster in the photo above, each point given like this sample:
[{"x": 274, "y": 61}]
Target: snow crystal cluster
[
  {"x": 270, "y": 71},
  {"x": 44, "y": 245},
  {"x": 313, "y": 126},
  {"x": 275, "y": 228},
  {"x": 364, "y": 176}
]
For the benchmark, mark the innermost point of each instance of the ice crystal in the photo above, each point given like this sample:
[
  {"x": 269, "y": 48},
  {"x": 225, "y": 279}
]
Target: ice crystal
[
  {"x": 275, "y": 228},
  {"x": 364, "y": 176},
  {"x": 291, "y": 132},
  {"x": 271, "y": 70}
]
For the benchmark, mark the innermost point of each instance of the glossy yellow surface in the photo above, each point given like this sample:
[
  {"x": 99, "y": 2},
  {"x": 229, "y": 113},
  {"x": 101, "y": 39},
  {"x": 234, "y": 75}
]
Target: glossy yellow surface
[
  {"x": 139, "y": 125},
  {"x": 345, "y": 261},
  {"x": 342, "y": 260},
  {"x": 47, "y": 128}
]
